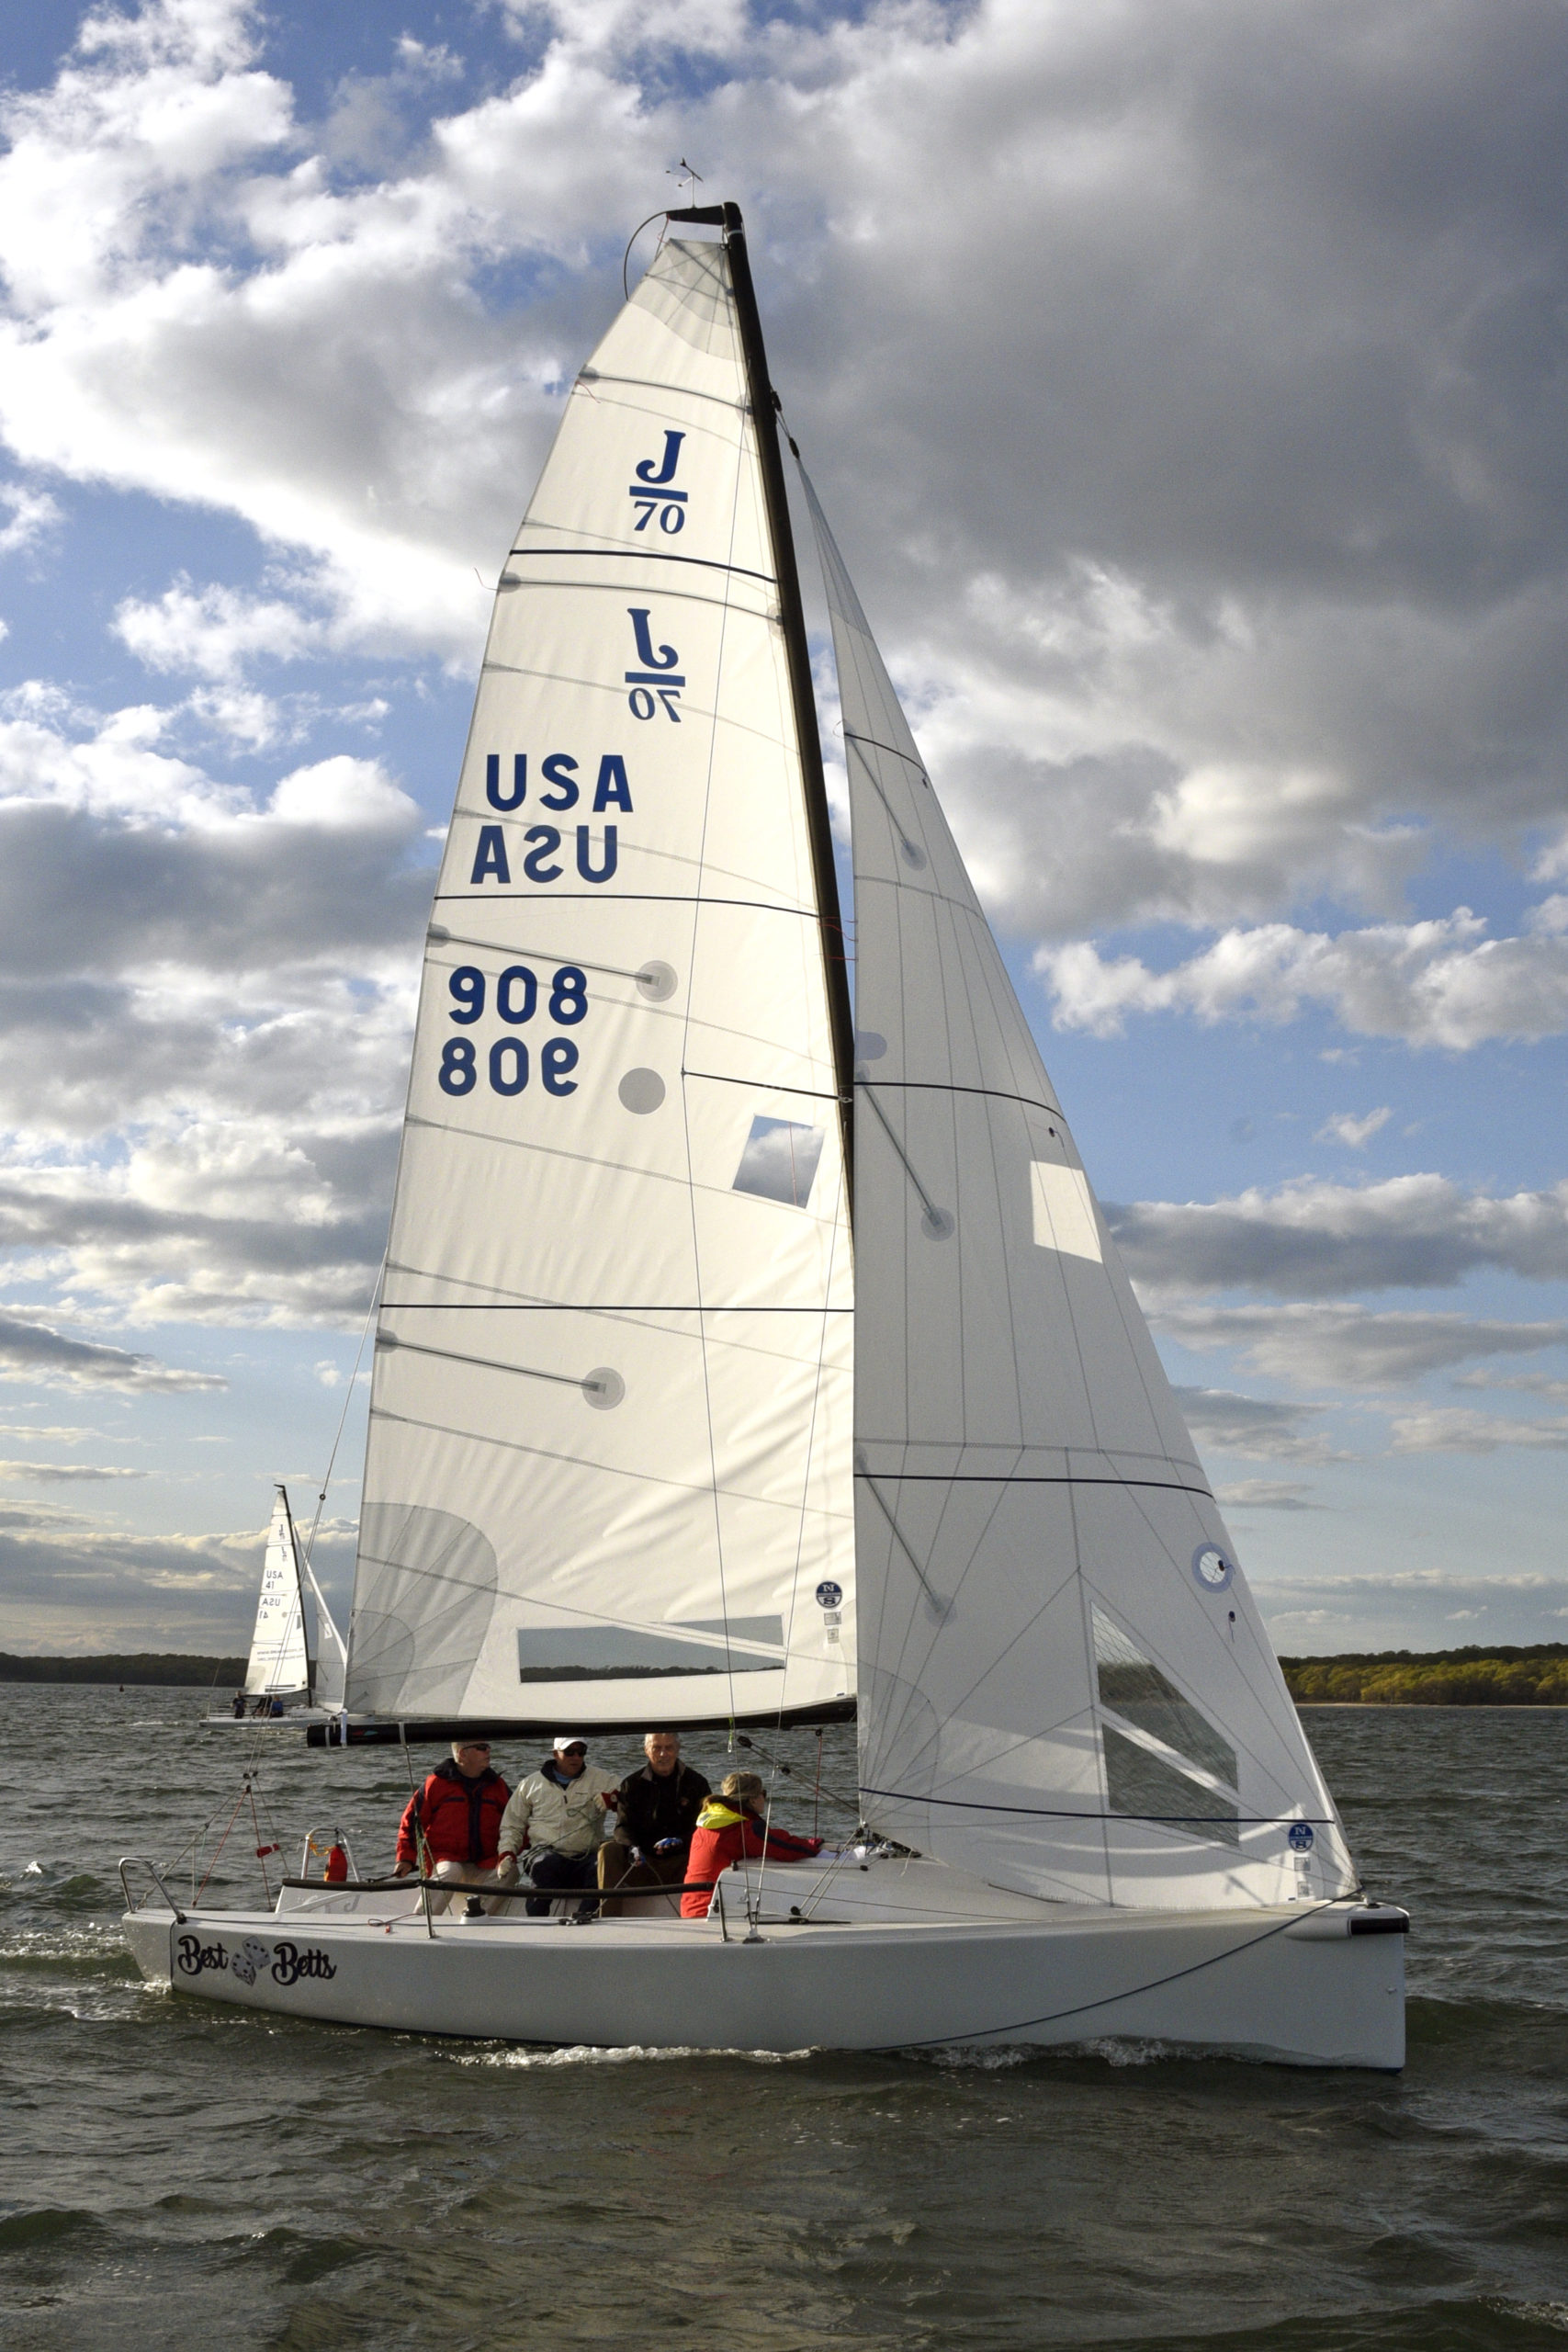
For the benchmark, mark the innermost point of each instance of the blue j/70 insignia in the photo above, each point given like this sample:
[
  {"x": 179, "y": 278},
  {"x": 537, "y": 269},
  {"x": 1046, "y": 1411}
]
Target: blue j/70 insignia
[
  {"x": 658, "y": 674},
  {"x": 652, "y": 490}
]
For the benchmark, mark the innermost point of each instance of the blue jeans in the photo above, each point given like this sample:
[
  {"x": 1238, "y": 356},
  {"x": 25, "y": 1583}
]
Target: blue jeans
[{"x": 560, "y": 1874}]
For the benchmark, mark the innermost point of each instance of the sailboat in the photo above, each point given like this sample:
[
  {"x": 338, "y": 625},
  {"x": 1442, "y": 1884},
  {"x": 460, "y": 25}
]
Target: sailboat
[
  {"x": 744, "y": 1360},
  {"x": 281, "y": 1668}
]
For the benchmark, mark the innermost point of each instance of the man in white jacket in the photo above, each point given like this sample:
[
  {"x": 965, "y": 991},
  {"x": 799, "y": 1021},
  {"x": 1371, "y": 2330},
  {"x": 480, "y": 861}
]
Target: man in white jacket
[{"x": 555, "y": 1823}]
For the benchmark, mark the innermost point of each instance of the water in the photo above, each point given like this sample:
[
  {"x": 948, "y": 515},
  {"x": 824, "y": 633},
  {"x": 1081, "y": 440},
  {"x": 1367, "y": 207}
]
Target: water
[{"x": 172, "y": 2175}]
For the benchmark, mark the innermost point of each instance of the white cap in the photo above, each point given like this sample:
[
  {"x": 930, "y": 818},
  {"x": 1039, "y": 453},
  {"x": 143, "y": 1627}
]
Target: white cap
[{"x": 565, "y": 1739}]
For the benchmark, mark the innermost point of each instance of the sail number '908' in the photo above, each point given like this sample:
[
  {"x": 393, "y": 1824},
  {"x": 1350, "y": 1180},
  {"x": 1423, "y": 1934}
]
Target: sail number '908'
[{"x": 517, "y": 994}]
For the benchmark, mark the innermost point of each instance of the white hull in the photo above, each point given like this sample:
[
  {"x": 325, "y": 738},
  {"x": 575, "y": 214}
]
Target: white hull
[{"x": 920, "y": 1960}]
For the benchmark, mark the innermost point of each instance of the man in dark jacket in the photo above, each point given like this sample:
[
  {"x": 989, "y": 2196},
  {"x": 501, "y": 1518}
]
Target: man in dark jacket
[
  {"x": 457, "y": 1815},
  {"x": 655, "y": 1817}
]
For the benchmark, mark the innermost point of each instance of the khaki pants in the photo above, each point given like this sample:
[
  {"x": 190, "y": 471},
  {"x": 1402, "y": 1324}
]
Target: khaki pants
[
  {"x": 616, "y": 1867},
  {"x": 470, "y": 1874}
]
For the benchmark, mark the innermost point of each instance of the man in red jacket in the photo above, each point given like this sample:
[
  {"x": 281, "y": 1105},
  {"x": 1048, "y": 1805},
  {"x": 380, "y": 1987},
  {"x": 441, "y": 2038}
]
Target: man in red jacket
[
  {"x": 732, "y": 1827},
  {"x": 457, "y": 1815}
]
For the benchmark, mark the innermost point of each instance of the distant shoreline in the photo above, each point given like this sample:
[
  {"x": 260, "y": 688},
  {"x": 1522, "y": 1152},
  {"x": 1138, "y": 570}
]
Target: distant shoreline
[{"x": 149, "y": 1670}]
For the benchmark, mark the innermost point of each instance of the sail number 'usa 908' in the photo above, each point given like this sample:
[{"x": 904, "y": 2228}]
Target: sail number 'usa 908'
[{"x": 517, "y": 1001}]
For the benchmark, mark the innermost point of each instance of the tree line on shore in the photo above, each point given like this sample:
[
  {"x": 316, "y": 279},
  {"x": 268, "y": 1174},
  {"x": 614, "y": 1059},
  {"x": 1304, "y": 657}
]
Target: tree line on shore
[
  {"x": 1505, "y": 1677},
  {"x": 172, "y": 1670}
]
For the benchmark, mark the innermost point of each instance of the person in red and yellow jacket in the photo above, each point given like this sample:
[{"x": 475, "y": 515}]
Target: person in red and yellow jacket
[
  {"x": 457, "y": 1813},
  {"x": 732, "y": 1828}
]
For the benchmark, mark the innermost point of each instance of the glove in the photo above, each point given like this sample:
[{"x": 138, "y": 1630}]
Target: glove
[
  {"x": 506, "y": 1871},
  {"x": 666, "y": 1845},
  {"x": 637, "y": 1857}
]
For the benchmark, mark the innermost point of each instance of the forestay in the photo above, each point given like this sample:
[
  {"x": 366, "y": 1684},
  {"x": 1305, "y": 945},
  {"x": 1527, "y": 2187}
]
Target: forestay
[
  {"x": 1064, "y": 1683},
  {"x": 279, "y": 1662},
  {"x": 608, "y": 1477}
]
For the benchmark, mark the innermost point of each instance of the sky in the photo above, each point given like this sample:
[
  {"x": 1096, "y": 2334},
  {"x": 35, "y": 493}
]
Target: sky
[{"x": 1187, "y": 381}]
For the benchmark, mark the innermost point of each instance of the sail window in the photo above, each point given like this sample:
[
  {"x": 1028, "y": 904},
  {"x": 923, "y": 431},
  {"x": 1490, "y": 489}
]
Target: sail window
[
  {"x": 1145, "y": 1786},
  {"x": 613, "y": 1653},
  {"x": 1063, "y": 1211},
  {"x": 1136, "y": 1689},
  {"x": 779, "y": 1163}
]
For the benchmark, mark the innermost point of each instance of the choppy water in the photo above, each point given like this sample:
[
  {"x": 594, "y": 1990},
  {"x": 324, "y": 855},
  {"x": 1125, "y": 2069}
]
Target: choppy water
[{"x": 173, "y": 2175}]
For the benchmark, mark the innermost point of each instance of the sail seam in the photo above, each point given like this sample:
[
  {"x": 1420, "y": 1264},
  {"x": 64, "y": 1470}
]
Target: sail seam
[{"x": 1066, "y": 1813}]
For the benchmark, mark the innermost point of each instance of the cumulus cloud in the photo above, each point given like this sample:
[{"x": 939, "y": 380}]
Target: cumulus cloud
[
  {"x": 1272, "y": 583},
  {"x": 1336, "y": 1343},
  {"x": 1429, "y": 983},
  {"x": 53, "y": 1474},
  {"x": 33, "y": 513},
  {"x": 1376, "y": 1610},
  {"x": 1265, "y": 1494},
  {"x": 1454, "y": 1429},
  {"x": 33, "y": 1350},
  {"x": 1262, "y": 1429},
  {"x": 71, "y": 1585},
  {"x": 1343, "y": 1126},
  {"x": 207, "y": 997},
  {"x": 215, "y": 632},
  {"x": 1323, "y": 1239}
]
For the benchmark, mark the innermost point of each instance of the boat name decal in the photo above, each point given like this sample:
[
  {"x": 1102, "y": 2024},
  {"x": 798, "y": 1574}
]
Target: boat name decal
[
  {"x": 652, "y": 492},
  {"x": 291, "y": 1964},
  {"x": 194, "y": 1956}
]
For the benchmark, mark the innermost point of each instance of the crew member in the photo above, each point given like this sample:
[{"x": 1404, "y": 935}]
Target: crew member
[
  {"x": 732, "y": 1827},
  {"x": 553, "y": 1829},
  {"x": 457, "y": 1814},
  {"x": 654, "y": 1820}
]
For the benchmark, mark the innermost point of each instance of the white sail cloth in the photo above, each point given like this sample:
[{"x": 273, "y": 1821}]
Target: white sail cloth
[
  {"x": 1064, "y": 1686},
  {"x": 608, "y": 1470},
  {"x": 278, "y": 1664}
]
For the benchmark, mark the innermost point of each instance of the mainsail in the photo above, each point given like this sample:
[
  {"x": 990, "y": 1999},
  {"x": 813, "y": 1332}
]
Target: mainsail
[
  {"x": 1064, "y": 1686},
  {"x": 279, "y": 1662},
  {"x": 608, "y": 1475}
]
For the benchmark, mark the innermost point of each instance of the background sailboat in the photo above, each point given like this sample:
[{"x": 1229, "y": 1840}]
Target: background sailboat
[{"x": 283, "y": 1665}]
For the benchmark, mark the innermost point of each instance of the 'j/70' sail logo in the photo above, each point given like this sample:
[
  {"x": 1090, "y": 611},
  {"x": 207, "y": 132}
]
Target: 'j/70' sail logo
[
  {"x": 658, "y": 674},
  {"x": 652, "y": 490}
]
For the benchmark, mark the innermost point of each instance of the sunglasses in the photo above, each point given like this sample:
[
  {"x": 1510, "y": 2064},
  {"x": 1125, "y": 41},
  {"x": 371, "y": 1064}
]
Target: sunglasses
[
  {"x": 579, "y": 1749},
  {"x": 479, "y": 1746}
]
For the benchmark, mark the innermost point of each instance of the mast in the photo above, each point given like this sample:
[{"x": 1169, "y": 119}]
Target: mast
[
  {"x": 299, "y": 1588},
  {"x": 766, "y": 406}
]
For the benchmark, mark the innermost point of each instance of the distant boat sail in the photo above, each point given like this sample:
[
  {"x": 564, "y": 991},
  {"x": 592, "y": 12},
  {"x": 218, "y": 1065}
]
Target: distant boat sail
[
  {"x": 279, "y": 1665},
  {"x": 656, "y": 1437}
]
